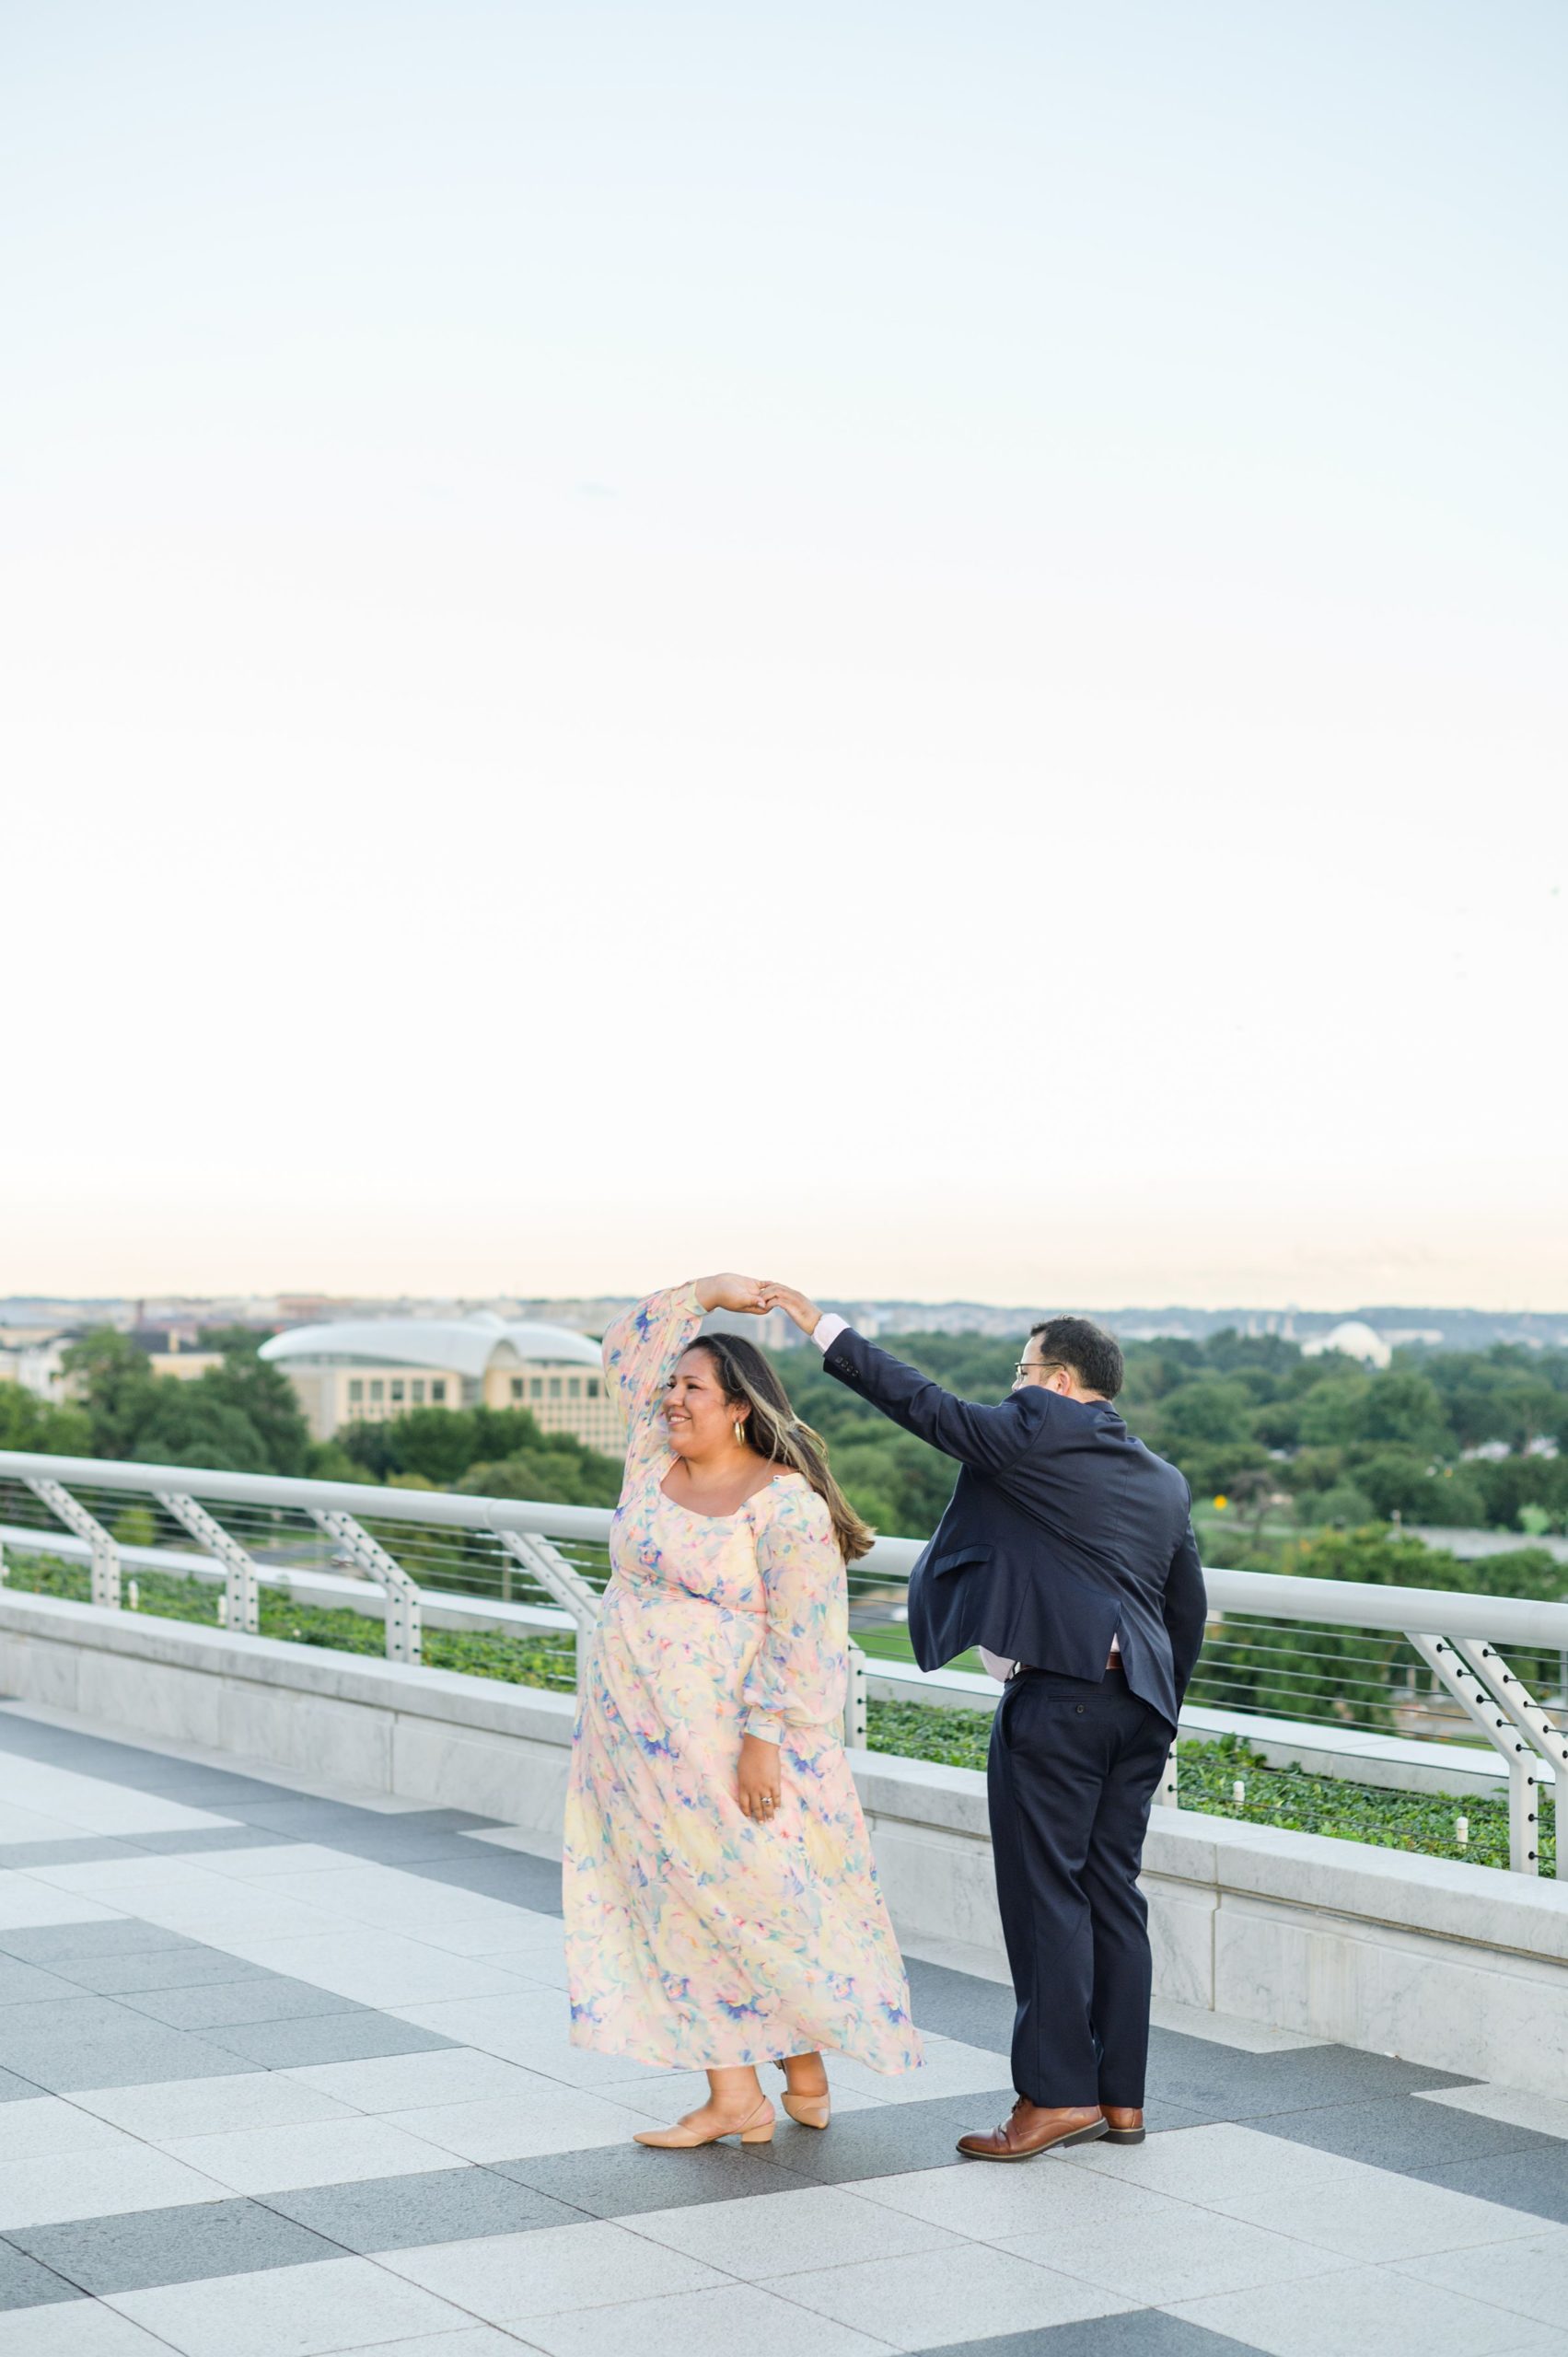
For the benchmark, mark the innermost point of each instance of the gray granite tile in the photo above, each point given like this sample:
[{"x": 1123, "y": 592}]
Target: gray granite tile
[
  {"x": 25, "y": 2285},
  {"x": 1378, "y": 2311},
  {"x": 126, "y": 1935},
  {"x": 59, "y": 2063},
  {"x": 194, "y": 1783},
  {"x": 1201, "y": 2070},
  {"x": 1404, "y": 2134},
  {"x": 413, "y": 1850},
  {"x": 957, "y": 2005},
  {"x": 514, "y": 1875},
  {"x": 622, "y": 2181},
  {"x": 202, "y": 1838},
  {"x": 322, "y": 2037},
  {"x": 217, "y": 1788},
  {"x": 187, "y": 2245},
  {"x": 263, "y": 1997},
  {"x": 1138, "y": 2332},
  {"x": 70, "y": 1850},
  {"x": 75, "y": 2013},
  {"x": 26, "y": 1984},
  {"x": 16, "y": 2090},
  {"x": 889, "y": 2140},
  {"x": 1161, "y": 2118},
  {"x": 188, "y": 1967},
  {"x": 441, "y": 2206},
  {"x": 1234, "y": 2084},
  {"x": 301, "y": 1817},
  {"x": 118, "y": 1764},
  {"x": 412, "y": 1829},
  {"x": 1533, "y": 2180}
]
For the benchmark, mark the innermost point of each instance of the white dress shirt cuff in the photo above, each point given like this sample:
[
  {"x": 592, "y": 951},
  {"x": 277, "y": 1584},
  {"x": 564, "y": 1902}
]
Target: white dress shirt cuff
[
  {"x": 995, "y": 1667},
  {"x": 828, "y": 1328}
]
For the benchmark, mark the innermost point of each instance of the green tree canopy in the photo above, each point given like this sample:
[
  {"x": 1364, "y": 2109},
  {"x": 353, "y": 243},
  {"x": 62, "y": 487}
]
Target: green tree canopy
[
  {"x": 30, "y": 1423},
  {"x": 240, "y": 1417}
]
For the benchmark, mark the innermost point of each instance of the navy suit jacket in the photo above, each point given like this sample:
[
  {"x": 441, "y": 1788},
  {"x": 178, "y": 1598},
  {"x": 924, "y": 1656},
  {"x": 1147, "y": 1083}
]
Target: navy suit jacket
[{"x": 1063, "y": 1532}]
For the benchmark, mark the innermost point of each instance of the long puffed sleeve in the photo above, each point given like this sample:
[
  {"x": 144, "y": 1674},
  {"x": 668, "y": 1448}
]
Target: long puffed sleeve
[
  {"x": 801, "y": 1672},
  {"x": 639, "y": 1353}
]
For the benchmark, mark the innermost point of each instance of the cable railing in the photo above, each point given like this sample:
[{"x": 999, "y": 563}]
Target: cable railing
[{"x": 441, "y": 1570}]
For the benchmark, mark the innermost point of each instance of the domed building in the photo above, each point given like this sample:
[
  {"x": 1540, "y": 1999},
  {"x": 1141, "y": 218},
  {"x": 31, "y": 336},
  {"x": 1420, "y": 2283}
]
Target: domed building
[
  {"x": 1355, "y": 1339},
  {"x": 366, "y": 1370}
]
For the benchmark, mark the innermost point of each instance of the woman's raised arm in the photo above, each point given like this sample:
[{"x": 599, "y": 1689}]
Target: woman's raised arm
[{"x": 640, "y": 1349}]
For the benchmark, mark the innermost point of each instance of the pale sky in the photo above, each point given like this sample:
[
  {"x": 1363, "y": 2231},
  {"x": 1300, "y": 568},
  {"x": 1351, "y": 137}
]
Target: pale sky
[{"x": 917, "y": 648}]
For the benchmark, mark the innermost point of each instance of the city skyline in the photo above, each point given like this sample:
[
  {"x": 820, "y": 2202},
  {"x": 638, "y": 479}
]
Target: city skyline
[{"x": 1446, "y": 1325}]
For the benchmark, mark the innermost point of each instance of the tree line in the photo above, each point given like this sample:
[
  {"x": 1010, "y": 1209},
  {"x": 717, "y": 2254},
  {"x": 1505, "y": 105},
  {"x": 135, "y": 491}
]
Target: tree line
[
  {"x": 1247, "y": 1418},
  {"x": 1251, "y": 1420}
]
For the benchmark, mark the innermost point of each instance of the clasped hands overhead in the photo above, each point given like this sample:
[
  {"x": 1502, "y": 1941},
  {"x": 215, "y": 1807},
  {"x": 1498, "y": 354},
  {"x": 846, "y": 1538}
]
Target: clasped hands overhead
[{"x": 756, "y": 1296}]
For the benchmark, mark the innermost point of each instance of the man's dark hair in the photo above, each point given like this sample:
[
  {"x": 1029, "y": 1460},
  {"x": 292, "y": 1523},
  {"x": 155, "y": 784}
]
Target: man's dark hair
[{"x": 1084, "y": 1350}]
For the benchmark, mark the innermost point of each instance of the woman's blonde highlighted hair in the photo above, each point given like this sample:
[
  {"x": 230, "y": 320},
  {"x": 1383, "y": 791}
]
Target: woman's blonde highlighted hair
[{"x": 775, "y": 1431}]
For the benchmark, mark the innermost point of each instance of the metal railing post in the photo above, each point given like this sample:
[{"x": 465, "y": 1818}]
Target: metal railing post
[
  {"x": 1480, "y": 1707},
  {"x": 404, "y": 1621},
  {"x": 241, "y": 1583},
  {"x": 1519, "y": 1706},
  {"x": 548, "y": 1566},
  {"x": 105, "y": 1557},
  {"x": 856, "y": 1717}
]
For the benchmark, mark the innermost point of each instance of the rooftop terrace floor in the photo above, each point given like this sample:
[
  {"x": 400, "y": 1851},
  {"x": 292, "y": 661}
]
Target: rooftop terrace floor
[{"x": 284, "y": 2071}]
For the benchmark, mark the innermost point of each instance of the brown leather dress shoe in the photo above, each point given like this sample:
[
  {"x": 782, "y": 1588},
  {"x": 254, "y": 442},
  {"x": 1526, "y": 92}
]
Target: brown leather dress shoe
[
  {"x": 1035, "y": 2128},
  {"x": 1122, "y": 2124}
]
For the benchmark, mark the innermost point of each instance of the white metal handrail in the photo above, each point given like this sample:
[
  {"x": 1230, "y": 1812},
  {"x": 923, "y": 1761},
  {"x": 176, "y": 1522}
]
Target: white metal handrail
[
  {"x": 1457, "y": 1634},
  {"x": 1520, "y": 1621}
]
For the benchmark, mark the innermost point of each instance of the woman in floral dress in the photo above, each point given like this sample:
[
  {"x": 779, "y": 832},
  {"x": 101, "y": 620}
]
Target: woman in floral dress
[{"x": 722, "y": 1906}]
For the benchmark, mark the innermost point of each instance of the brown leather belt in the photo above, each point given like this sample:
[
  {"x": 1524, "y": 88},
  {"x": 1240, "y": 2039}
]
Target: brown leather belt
[{"x": 1115, "y": 1668}]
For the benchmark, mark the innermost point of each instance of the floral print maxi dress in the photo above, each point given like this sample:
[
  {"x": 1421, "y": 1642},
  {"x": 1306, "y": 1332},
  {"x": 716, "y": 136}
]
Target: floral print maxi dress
[{"x": 694, "y": 1937}]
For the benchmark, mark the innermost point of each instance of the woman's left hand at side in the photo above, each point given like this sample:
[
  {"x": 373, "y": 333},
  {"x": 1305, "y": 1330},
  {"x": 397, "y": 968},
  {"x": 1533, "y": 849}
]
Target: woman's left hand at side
[{"x": 758, "y": 1785}]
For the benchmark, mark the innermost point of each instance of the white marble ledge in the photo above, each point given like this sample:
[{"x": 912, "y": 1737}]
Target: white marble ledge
[
  {"x": 528, "y": 1712},
  {"x": 923, "y": 1792},
  {"x": 1479, "y": 1905}
]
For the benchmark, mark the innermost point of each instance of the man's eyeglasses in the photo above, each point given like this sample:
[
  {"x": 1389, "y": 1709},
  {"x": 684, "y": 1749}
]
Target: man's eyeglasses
[{"x": 1036, "y": 1366}]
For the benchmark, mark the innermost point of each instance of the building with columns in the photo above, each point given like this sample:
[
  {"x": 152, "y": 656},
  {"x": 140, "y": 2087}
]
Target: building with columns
[{"x": 367, "y": 1370}]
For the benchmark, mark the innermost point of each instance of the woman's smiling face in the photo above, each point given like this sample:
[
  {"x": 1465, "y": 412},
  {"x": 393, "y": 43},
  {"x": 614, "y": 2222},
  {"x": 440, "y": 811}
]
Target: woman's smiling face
[{"x": 697, "y": 1416}]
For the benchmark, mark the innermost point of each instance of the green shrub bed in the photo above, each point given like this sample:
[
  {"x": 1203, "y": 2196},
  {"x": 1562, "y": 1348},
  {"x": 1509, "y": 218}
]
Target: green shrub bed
[
  {"x": 482, "y": 1652},
  {"x": 1207, "y": 1772},
  {"x": 1207, "y": 1775}
]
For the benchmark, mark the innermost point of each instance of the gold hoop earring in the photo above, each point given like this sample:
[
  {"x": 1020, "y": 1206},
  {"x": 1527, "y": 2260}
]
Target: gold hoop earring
[{"x": 739, "y": 1429}]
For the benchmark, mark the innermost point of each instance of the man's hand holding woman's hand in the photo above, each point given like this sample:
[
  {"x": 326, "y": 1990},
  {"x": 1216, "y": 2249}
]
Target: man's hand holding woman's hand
[
  {"x": 756, "y": 1296},
  {"x": 795, "y": 1305}
]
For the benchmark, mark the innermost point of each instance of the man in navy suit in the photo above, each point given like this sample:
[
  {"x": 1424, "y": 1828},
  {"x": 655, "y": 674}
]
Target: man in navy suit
[{"x": 1066, "y": 1554}]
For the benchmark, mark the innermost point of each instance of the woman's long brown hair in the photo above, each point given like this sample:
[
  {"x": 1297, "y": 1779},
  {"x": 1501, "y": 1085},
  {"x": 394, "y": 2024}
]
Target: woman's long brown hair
[{"x": 774, "y": 1431}]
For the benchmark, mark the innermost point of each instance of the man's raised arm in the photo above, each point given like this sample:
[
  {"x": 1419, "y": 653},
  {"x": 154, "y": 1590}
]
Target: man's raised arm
[{"x": 986, "y": 1439}]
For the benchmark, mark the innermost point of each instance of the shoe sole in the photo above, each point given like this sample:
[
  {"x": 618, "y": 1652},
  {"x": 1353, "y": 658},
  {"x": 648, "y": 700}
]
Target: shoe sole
[
  {"x": 1125, "y": 2135},
  {"x": 1058, "y": 2144}
]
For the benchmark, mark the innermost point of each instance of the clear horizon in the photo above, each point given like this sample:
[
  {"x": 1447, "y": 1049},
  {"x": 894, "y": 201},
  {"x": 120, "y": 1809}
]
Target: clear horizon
[{"x": 920, "y": 650}]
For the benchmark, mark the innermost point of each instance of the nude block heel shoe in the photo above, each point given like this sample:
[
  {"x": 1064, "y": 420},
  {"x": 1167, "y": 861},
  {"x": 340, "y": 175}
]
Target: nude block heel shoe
[
  {"x": 810, "y": 2111},
  {"x": 755, "y": 2130}
]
